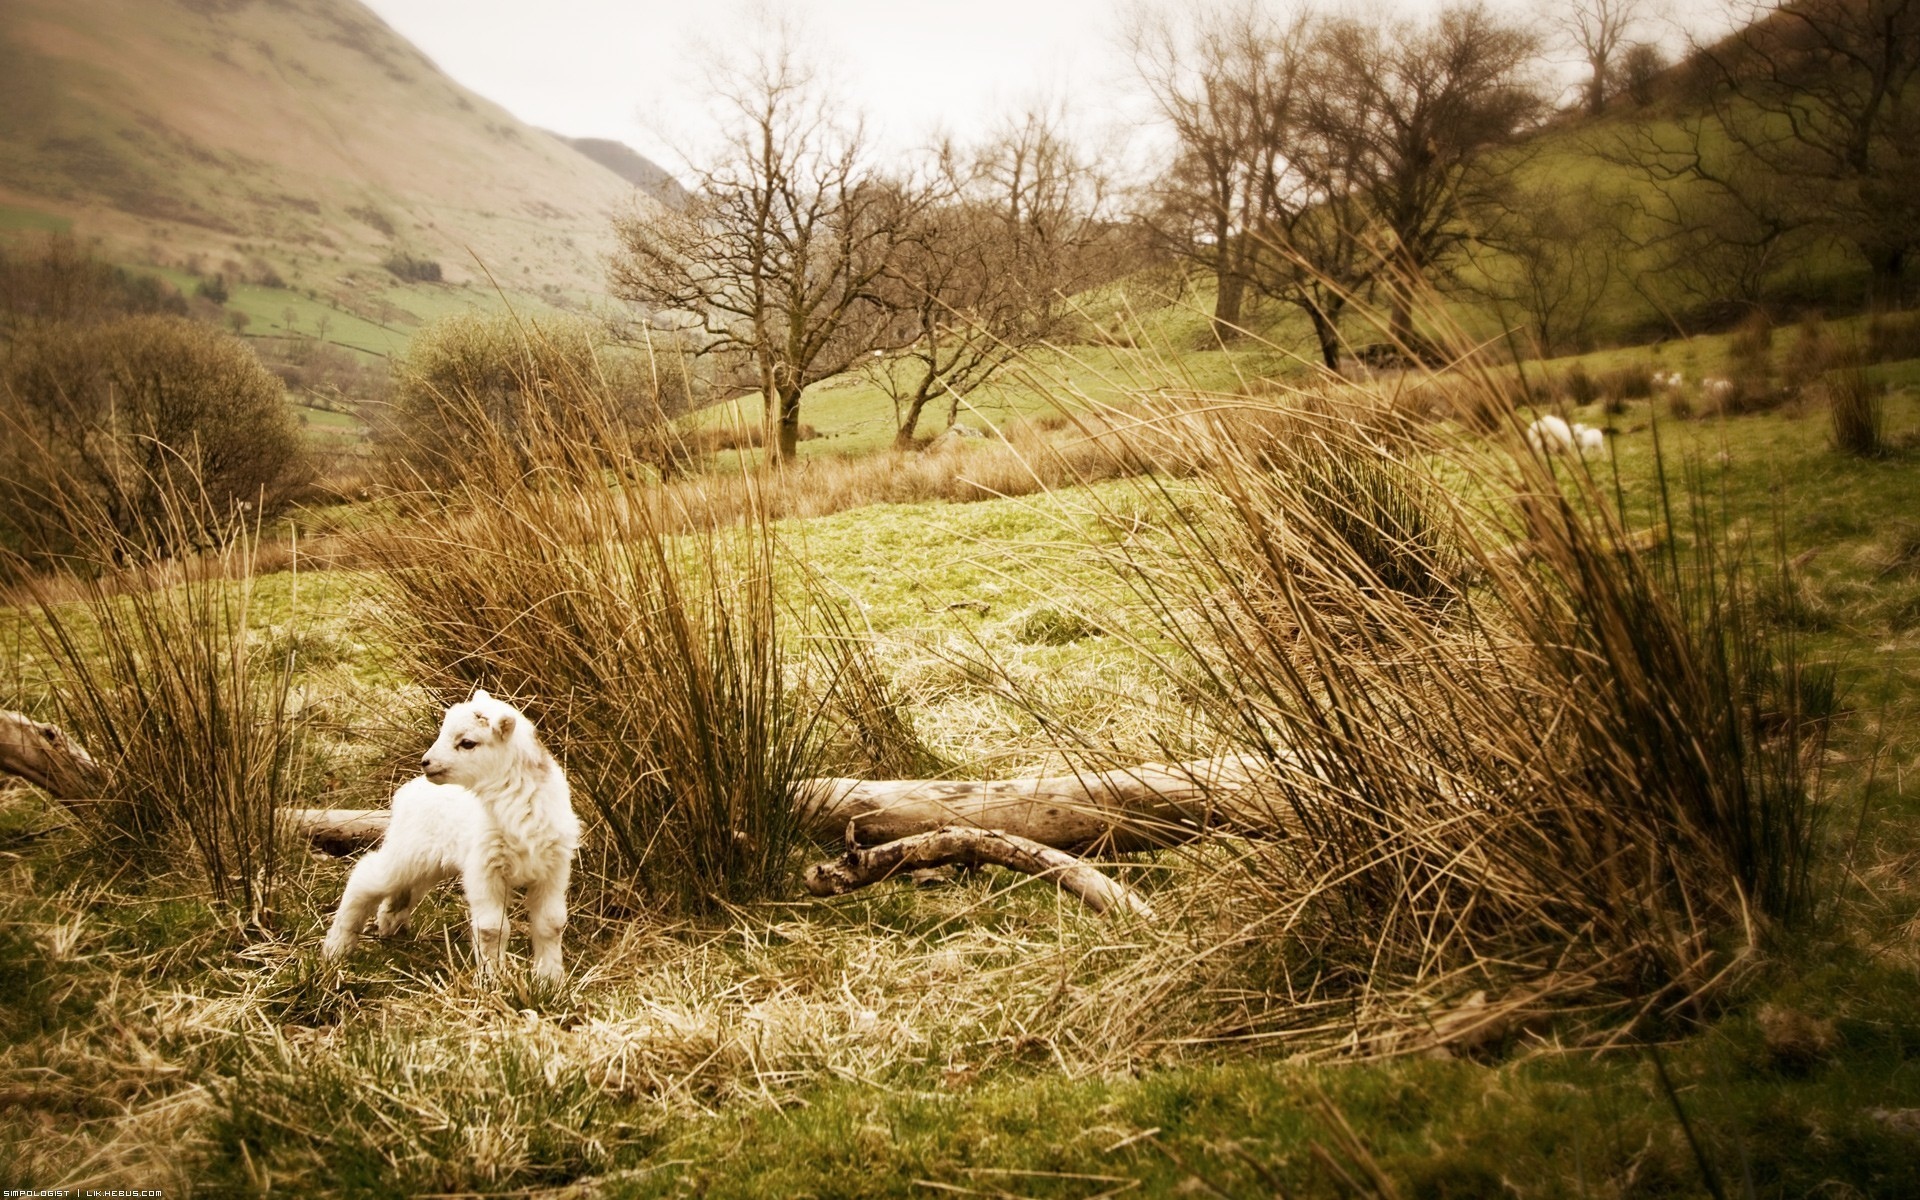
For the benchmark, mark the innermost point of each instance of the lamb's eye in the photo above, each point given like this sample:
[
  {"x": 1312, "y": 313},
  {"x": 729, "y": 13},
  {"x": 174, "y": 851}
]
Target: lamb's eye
[{"x": 466, "y": 743}]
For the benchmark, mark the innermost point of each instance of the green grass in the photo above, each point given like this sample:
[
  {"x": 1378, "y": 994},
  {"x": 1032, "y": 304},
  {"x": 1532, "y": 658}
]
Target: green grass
[
  {"x": 14, "y": 219},
  {"x": 325, "y": 425},
  {"x": 852, "y": 415},
  {"x": 900, "y": 1038},
  {"x": 1545, "y": 1125}
]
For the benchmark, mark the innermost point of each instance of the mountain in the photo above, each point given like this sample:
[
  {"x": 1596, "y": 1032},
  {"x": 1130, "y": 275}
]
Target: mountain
[
  {"x": 302, "y": 140},
  {"x": 629, "y": 164}
]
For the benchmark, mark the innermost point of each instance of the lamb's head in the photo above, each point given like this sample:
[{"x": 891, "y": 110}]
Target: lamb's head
[{"x": 481, "y": 740}]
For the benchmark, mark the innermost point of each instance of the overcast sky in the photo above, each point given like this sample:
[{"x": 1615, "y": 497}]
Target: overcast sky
[
  {"x": 629, "y": 69},
  {"x": 632, "y": 69}
]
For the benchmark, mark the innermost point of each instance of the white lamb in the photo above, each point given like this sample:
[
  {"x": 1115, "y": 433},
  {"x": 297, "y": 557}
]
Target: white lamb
[
  {"x": 1552, "y": 435},
  {"x": 492, "y": 807}
]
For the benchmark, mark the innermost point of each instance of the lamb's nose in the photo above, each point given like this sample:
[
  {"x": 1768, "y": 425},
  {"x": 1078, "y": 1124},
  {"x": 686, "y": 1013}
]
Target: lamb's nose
[{"x": 426, "y": 761}]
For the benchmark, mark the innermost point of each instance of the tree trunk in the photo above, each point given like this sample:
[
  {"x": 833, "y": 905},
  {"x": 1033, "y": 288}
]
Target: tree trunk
[
  {"x": 903, "y": 436},
  {"x": 1885, "y": 292},
  {"x": 783, "y": 423},
  {"x": 1327, "y": 334},
  {"x": 1146, "y": 807},
  {"x": 1230, "y": 290},
  {"x": 1400, "y": 322}
]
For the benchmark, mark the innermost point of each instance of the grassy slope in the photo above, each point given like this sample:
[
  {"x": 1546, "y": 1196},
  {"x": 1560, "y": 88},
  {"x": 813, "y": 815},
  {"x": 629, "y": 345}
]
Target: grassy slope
[
  {"x": 303, "y": 136},
  {"x": 969, "y": 1107}
]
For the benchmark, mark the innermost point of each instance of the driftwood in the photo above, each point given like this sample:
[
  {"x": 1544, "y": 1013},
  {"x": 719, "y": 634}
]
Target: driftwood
[
  {"x": 338, "y": 831},
  {"x": 1148, "y": 807},
  {"x": 46, "y": 757},
  {"x": 889, "y": 825},
  {"x": 967, "y": 846},
  {"x": 1123, "y": 811}
]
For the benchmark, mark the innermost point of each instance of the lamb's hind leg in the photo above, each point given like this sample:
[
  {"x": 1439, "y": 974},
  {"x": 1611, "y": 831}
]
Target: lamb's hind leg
[
  {"x": 487, "y": 905},
  {"x": 396, "y": 910},
  {"x": 546, "y": 921},
  {"x": 367, "y": 887}
]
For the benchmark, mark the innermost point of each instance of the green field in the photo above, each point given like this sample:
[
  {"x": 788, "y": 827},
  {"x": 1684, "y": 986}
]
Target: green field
[
  {"x": 962, "y": 1039},
  {"x": 28, "y": 220}
]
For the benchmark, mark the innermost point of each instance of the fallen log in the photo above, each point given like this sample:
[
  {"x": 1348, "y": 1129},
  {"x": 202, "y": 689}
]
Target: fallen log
[
  {"x": 338, "y": 831},
  {"x": 1147, "y": 807},
  {"x": 1122, "y": 811},
  {"x": 966, "y": 846}
]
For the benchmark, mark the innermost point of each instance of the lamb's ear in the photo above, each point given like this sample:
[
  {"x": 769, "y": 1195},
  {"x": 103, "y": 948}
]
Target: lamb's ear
[
  {"x": 503, "y": 725},
  {"x": 479, "y": 696}
]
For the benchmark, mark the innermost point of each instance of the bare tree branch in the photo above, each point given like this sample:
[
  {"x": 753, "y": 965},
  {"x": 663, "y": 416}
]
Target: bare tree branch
[{"x": 966, "y": 846}]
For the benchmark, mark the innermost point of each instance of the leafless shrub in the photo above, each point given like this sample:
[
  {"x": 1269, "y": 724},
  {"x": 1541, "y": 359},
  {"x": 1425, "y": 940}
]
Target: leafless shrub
[
  {"x": 1634, "y": 381},
  {"x": 1750, "y": 368},
  {"x": 1814, "y": 353},
  {"x": 1579, "y": 386},
  {"x": 477, "y": 384},
  {"x": 1893, "y": 337},
  {"x": 102, "y": 420}
]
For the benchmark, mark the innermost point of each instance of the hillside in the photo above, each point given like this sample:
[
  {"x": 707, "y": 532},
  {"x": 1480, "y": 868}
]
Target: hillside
[
  {"x": 295, "y": 140},
  {"x": 629, "y": 164}
]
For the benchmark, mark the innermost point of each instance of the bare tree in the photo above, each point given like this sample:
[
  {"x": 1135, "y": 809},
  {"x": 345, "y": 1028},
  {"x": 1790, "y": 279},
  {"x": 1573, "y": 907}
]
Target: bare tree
[
  {"x": 1640, "y": 68},
  {"x": 1821, "y": 95},
  {"x": 1715, "y": 226},
  {"x": 1598, "y": 30},
  {"x": 779, "y": 253},
  {"x": 1551, "y": 252},
  {"x": 985, "y": 272},
  {"x": 1422, "y": 109},
  {"x": 1225, "y": 85}
]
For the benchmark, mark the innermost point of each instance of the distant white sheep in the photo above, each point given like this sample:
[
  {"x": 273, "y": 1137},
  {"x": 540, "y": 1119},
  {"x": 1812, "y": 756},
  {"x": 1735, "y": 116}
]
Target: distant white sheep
[
  {"x": 1669, "y": 381},
  {"x": 1552, "y": 435},
  {"x": 491, "y": 807},
  {"x": 1716, "y": 388}
]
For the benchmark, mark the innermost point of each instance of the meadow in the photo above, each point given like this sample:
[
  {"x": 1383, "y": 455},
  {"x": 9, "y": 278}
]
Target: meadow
[{"x": 983, "y": 1034}]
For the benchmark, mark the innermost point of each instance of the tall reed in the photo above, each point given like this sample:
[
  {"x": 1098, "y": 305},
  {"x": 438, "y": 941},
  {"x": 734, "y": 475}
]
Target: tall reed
[
  {"x": 1507, "y": 745},
  {"x": 639, "y": 627},
  {"x": 157, "y": 669},
  {"x": 1857, "y": 409}
]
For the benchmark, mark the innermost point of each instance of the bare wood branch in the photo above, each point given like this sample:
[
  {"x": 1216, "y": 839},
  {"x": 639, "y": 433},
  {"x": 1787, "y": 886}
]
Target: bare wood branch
[
  {"x": 963, "y": 845},
  {"x": 46, "y": 757},
  {"x": 338, "y": 831},
  {"x": 1146, "y": 807}
]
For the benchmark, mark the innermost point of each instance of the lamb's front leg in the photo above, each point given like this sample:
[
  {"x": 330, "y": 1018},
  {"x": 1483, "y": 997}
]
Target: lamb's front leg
[
  {"x": 487, "y": 902},
  {"x": 546, "y": 921}
]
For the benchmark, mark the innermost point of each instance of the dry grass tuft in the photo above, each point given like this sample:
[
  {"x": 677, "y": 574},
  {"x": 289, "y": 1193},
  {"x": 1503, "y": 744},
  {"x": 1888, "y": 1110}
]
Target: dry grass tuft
[
  {"x": 1856, "y": 406},
  {"x": 638, "y": 626},
  {"x": 159, "y": 668},
  {"x": 1578, "y": 775},
  {"x": 1796, "y": 1041}
]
